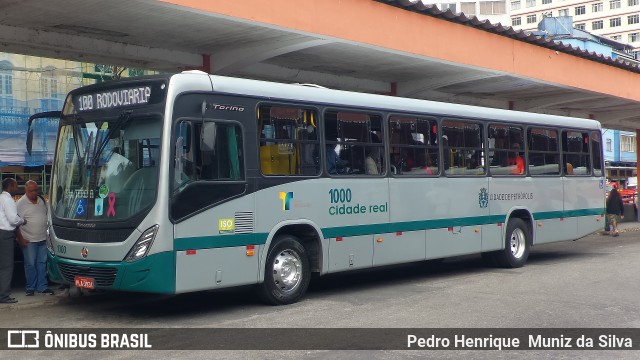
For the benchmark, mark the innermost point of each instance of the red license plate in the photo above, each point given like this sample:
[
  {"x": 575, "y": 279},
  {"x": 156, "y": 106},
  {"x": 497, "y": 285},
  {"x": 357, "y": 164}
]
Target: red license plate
[{"x": 83, "y": 282}]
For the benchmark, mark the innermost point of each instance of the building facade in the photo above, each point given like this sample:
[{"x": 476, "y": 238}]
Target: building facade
[
  {"x": 494, "y": 11},
  {"x": 618, "y": 20},
  {"x": 620, "y": 154},
  {"x": 31, "y": 84}
]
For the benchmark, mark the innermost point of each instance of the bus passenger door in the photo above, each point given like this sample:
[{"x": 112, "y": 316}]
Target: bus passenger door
[{"x": 212, "y": 212}]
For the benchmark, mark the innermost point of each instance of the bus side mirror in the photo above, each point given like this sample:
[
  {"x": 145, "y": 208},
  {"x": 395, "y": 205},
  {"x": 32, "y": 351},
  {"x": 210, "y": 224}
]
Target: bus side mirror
[
  {"x": 29, "y": 141},
  {"x": 42, "y": 115}
]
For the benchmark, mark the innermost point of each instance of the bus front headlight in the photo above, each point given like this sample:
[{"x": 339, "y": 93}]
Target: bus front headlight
[{"x": 142, "y": 245}]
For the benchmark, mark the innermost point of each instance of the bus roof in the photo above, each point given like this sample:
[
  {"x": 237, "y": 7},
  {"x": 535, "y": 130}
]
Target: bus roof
[{"x": 312, "y": 94}]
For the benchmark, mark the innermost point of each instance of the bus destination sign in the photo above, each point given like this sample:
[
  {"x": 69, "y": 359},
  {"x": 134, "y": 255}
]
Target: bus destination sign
[{"x": 110, "y": 99}]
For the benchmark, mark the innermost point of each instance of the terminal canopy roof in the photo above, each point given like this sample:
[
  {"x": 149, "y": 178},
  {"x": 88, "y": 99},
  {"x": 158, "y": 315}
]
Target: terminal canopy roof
[{"x": 402, "y": 48}]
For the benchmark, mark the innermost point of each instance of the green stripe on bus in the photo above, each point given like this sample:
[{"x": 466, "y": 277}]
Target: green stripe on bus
[
  {"x": 410, "y": 226},
  {"x": 218, "y": 241},
  {"x": 545, "y": 215}
]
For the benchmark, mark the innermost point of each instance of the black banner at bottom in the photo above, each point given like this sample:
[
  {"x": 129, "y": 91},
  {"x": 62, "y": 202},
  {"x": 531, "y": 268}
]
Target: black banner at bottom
[{"x": 319, "y": 339}]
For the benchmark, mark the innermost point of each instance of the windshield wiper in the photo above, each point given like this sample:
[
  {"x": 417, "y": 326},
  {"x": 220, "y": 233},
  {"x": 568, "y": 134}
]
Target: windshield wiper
[
  {"x": 77, "y": 134},
  {"x": 123, "y": 118}
]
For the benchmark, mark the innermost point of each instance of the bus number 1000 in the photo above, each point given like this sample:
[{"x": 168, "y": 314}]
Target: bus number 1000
[{"x": 340, "y": 195}]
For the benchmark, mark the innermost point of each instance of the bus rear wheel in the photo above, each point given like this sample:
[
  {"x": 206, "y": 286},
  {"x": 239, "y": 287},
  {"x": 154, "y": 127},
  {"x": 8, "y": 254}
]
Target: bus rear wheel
[
  {"x": 287, "y": 272},
  {"x": 517, "y": 245}
]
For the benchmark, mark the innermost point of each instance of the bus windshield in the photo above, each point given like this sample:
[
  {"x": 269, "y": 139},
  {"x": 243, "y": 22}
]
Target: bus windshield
[{"x": 106, "y": 170}]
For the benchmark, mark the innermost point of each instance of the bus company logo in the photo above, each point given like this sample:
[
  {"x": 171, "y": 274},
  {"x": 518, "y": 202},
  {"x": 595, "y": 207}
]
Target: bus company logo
[
  {"x": 483, "y": 198},
  {"x": 23, "y": 339},
  {"x": 286, "y": 200},
  {"x": 84, "y": 252}
]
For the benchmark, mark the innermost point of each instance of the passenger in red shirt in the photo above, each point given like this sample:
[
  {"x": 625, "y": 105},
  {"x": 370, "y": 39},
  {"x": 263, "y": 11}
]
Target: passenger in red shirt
[{"x": 516, "y": 160}]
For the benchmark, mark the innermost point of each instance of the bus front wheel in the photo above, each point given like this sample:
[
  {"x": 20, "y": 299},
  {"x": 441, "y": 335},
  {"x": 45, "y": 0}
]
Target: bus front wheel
[
  {"x": 517, "y": 244},
  {"x": 287, "y": 272}
]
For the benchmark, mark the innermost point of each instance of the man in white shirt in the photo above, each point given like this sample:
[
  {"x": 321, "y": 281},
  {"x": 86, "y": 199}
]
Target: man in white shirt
[
  {"x": 33, "y": 208},
  {"x": 9, "y": 220}
]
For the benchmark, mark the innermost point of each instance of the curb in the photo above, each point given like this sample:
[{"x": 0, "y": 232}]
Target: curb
[
  {"x": 606, "y": 233},
  {"x": 51, "y": 300},
  {"x": 42, "y": 300}
]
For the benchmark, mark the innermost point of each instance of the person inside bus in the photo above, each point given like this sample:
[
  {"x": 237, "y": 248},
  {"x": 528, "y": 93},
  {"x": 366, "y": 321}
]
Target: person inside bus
[
  {"x": 372, "y": 160},
  {"x": 568, "y": 169},
  {"x": 516, "y": 160},
  {"x": 335, "y": 165}
]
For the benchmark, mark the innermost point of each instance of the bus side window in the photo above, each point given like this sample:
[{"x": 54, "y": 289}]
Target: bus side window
[
  {"x": 209, "y": 165},
  {"x": 596, "y": 153},
  {"x": 575, "y": 149},
  {"x": 463, "y": 148},
  {"x": 506, "y": 150},
  {"x": 544, "y": 154},
  {"x": 354, "y": 144},
  {"x": 413, "y": 146},
  {"x": 289, "y": 142}
]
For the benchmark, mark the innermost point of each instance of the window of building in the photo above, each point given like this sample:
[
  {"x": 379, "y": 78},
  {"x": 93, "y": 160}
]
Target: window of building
[
  {"x": 579, "y": 26},
  {"x": 614, "y": 4},
  {"x": 596, "y": 7},
  {"x": 545, "y": 2},
  {"x": 468, "y": 8},
  {"x": 634, "y": 37},
  {"x": 448, "y": 6},
  {"x": 614, "y": 22},
  {"x": 597, "y": 25},
  {"x": 531, "y": 19},
  {"x": 48, "y": 87},
  {"x": 580, "y": 10},
  {"x": 413, "y": 146},
  {"x": 516, "y": 21},
  {"x": 463, "y": 148},
  {"x": 575, "y": 150},
  {"x": 627, "y": 143},
  {"x": 563, "y": 12},
  {"x": 492, "y": 7},
  {"x": 515, "y": 5},
  {"x": 354, "y": 144},
  {"x": 506, "y": 150},
  {"x": 531, "y": 3},
  {"x": 616, "y": 37},
  {"x": 633, "y": 2},
  {"x": 544, "y": 152},
  {"x": 289, "y": 143},
  {"x": 596, "y": 153},
  {"x": 609, "y": 146},
  {"x": 6, "y": 82},
  {"x": 633, "y": 19}
]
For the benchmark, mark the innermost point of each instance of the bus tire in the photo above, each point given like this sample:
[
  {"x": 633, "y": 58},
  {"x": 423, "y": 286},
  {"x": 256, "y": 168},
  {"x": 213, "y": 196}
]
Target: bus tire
[
  {"x": 517, "y": 245},
  {"x": 287, "y": 272}
]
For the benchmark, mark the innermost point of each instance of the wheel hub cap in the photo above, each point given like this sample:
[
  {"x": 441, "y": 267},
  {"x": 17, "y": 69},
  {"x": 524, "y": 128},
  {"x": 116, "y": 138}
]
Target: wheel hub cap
[
  {"x": 287, "y": 270},
  {"x": 518, "y": 243}
]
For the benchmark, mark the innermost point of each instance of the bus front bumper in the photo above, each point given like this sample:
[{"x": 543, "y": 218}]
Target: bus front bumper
[{"x": 154, "y": 273}]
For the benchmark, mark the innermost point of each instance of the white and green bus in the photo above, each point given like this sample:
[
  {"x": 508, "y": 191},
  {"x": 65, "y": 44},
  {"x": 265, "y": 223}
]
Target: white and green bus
[{"x": 190, "y": 182}]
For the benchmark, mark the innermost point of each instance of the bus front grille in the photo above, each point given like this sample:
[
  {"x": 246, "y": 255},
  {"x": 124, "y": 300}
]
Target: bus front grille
[
  {"x": 103, "y": 276},
  {"x": 92, "y": 236}
]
